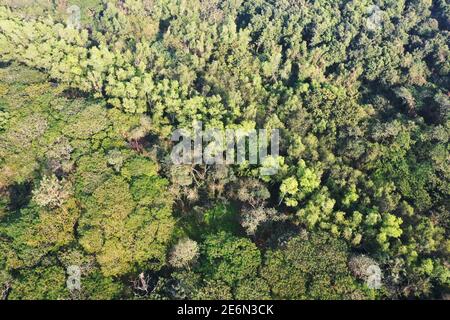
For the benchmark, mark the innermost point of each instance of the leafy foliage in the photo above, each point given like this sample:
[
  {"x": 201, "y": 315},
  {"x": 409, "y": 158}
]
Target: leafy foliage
[{"x": 86, "y": 113}]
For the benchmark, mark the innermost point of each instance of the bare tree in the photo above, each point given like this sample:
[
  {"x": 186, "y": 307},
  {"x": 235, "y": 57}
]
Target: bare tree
[
  {"x": 5, "y": 290},
  {"x": 141, "y": 285}
]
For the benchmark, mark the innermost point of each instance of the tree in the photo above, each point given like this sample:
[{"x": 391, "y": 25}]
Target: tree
[
  {"x": 87, "y": 109},
  {"x": 40, "y": 283},
  {"x": 184, "y": 254},
  {"x": 214, "y": 290},
  {"x": 52, "y": 192},
  {"x": 360, "y": 266},
  {"x": 228, "y": 258},
  {"x": 251, "y": 219},
  {"x": 305, "y": 267},
  {"x": 123, "y": 234}
]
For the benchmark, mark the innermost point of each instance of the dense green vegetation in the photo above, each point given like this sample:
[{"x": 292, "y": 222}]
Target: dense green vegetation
[{"x": 86, "y": 116}]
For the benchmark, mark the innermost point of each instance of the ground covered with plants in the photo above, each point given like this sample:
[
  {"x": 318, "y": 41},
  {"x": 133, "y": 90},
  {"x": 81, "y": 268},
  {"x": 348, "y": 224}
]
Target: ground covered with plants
[{"x": 87, "y": 110}]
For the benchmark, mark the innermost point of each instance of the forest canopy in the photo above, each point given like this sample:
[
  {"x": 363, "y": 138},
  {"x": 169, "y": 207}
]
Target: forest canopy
[{"x": 91, "y": 207}]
